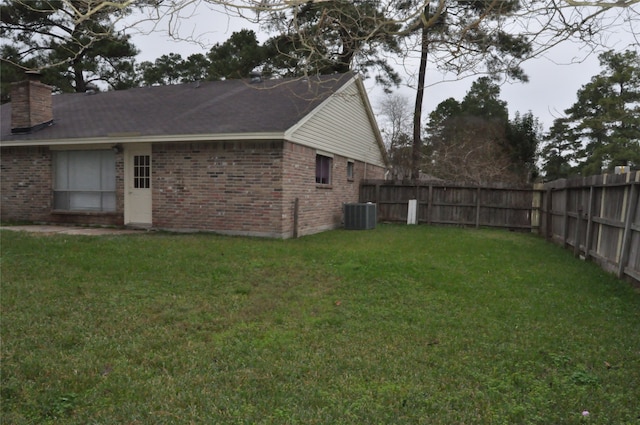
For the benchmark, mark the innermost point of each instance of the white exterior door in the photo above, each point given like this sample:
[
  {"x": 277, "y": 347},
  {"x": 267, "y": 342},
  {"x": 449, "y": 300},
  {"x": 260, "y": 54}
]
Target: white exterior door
[{"x": 137, "y": 181}]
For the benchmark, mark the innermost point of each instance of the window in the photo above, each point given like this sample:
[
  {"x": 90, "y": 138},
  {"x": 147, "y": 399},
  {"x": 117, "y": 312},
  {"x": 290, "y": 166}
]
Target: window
[
  {"x": 141, "y": 171},
  {"x": 323, "y": 169},
  {"x": 350, "y": 168},
  {"x": 84, "y": 180}
]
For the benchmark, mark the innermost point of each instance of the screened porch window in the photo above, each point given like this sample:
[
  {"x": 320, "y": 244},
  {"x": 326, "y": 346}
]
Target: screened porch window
[{"x": 85, "y": 180}]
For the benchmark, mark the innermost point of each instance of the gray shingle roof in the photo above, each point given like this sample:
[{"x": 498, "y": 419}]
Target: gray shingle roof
[{"x": 212, "y": 107}]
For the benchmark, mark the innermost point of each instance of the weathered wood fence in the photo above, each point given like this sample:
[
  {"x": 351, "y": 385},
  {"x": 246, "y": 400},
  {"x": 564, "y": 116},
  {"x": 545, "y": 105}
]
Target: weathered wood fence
[
  {"x": 453, "y": 203},
  {"x": 598, "y": 217}
]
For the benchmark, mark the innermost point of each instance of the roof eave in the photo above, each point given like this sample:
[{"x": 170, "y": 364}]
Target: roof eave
[
  {"x": 128, "y": 138},
  {"x": 374, "y": 122}
]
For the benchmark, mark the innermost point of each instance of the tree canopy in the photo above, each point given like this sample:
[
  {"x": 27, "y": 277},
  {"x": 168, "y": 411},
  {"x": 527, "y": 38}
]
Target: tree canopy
[
  {"x": 72, "y": 52},
  {"x": 334, "y": 36},
  {"x": 394, "y": 119},
  {"x": 474, "y": 140},
  {"x": 78, "y": 42},
  {"x": 601, "y": 129},
  {"x": 234, "y": 58}
]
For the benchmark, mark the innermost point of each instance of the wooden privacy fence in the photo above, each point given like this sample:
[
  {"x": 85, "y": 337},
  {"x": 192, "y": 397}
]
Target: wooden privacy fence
[
  {"x": 598, "y": 217},
  {"x": 454, "y": 203}
]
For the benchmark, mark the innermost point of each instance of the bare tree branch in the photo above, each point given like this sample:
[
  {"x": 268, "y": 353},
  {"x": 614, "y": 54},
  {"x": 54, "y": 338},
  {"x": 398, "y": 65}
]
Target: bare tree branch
[{"x": 546, "y": 23}]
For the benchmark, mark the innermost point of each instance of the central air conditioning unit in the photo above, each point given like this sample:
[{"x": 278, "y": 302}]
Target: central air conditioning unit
[{"x": 360, "y": 216}]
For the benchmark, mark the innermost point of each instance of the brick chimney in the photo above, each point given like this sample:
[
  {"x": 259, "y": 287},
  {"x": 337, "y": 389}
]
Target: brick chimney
[{"x": 31, "y": 104}]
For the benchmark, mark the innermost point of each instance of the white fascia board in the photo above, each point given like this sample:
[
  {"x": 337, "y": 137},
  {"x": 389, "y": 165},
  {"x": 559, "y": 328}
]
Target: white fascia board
[
  {"x": 373, "y": 121},
  {"x": 132, "y": 138}
]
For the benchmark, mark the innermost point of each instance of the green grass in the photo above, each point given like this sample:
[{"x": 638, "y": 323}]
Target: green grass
[{"x": 399, "y": 325}]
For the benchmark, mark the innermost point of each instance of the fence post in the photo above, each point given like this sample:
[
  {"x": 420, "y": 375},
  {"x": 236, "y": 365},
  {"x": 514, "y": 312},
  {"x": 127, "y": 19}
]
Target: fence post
[
  {"x": 589, "y": 237},
  {"x": 417, "y": 202},
  {"x": 626, "y": 238},
  {"x": 565, "y": 218},
  {"x": 478, "y": 208},
  {"x": 536, "y": 208},
  {"x": 578, "y": 233},
  {"x": 430, "y": 205},
  {"x": 549, "y": 229},
  {"x": 603, "y": 203}
]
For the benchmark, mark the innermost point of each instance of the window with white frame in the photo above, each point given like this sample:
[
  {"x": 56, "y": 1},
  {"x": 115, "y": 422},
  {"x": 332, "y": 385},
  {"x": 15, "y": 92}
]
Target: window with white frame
[
  {"x": 84, "y": 180},
  {"x": 350, "y": 170},
  {"x": 323, "y": 169}
]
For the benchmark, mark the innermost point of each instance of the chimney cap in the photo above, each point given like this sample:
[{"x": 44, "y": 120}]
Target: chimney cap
[{"x": 33, "y": 75}]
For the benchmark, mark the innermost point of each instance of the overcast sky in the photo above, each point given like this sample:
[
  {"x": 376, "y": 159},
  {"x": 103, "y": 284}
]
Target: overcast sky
[{"x": 553, "y": 79}]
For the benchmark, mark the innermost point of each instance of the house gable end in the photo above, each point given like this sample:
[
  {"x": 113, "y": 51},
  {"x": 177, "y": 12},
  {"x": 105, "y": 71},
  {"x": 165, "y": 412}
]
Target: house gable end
[{"x": 342, "y": 124}]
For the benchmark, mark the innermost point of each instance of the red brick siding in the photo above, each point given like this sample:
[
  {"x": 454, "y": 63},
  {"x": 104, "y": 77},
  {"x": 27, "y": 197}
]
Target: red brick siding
[
  {"x": 27, "y": 190},
  {"x": 30, "y": 104},
  {"x": 320, "y": 206},
  {"x": 228, "y": 187},
  {"x": 26, "y": 184}
]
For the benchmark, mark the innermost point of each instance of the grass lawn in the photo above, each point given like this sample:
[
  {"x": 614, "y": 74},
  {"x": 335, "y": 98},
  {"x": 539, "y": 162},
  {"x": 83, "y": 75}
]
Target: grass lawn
[{"x": 398, "y": 325}]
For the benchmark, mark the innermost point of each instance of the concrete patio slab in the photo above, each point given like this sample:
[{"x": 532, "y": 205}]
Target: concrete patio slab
[{"x": 71, "y": 230}]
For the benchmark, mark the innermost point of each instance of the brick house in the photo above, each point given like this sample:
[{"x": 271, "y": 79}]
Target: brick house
[{"x": 273, "y": 158}]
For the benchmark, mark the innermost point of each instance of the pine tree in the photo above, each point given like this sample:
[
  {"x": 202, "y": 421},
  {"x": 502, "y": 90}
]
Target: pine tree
[
  {"x": 603, "y": 126},
  {"x": 73, "y": 53}
]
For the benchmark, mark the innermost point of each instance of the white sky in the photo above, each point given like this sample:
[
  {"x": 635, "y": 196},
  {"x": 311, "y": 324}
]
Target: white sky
[{"x": 553, "y": 79}]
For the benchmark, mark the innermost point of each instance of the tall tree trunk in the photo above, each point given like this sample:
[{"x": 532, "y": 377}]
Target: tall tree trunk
[
  {"x": 76, "y": 61},
  {"x": 416, "y": 156},
  {"x": 78, "y": 77}
]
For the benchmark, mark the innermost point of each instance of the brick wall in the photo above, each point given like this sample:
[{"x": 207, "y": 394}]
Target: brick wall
[
  {"x": 30, "y": 104},
  {"x": 249, "y": 188},
  {"x": 245, "y": 188},
  {"x": 319, "y": 206},
  {"x": 27, "y": 190},
  {"x": 227, "y": 187},
  {"x": 26, "y": 184}
]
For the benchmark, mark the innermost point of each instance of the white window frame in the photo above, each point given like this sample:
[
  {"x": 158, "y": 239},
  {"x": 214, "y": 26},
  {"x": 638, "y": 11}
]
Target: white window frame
[
  {"x": 321, "y": 160},
  {"x": 84, "y": 180},
  {"x": 351, "y": 169}
]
